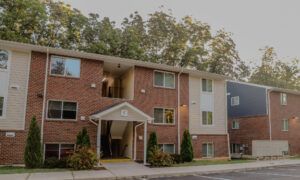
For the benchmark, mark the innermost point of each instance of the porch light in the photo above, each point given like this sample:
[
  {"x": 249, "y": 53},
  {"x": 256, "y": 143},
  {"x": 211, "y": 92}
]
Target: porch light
[
  {"x": 183, "y": 105},
  {"x": 104, "y": 79}
]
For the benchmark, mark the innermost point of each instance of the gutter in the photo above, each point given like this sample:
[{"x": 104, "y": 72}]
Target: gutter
[
  {"x": 178, "y": 109},
  {"x": 44, "y": 96},
  {"x": 228, "y": 137},
  {"x": 269, "y": 114}
]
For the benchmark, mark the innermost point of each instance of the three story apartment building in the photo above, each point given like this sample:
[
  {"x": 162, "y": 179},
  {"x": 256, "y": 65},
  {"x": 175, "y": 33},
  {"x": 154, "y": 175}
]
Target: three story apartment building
[
  {"x": 263, "y": 121},
  {"x": 120, "y": 101}
]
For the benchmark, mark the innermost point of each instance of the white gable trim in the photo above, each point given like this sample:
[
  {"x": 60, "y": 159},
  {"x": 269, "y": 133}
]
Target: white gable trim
[{"x": 112, "y": 109}]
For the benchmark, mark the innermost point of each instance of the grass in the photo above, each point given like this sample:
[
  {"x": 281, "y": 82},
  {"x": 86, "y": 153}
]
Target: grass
[
  {"x": 294, "y": 157},
  {"x": 203, "y": 163},
  {"x": 18, "y": 170}
]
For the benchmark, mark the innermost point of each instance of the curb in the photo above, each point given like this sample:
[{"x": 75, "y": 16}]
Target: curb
[{"x": 187, "y": 173}]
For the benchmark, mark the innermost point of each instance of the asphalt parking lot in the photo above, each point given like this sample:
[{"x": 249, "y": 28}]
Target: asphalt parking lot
[{"x": 277, "y": 173}]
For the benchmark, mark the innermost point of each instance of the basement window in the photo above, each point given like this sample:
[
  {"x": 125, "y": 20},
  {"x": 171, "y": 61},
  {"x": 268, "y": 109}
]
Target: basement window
[
  {"x": 207, "y": 150},
  {"x": 58, "y": 150},
  {"x": 167, "y": 148}
]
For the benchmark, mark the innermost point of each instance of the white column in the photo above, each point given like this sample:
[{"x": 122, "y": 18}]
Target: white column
[
  {"x": 145, "y": 143},
  {"x": 99, "y": 140}
]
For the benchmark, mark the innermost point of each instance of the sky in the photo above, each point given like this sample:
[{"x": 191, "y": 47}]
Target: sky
[{"x": 254, "y": 23}]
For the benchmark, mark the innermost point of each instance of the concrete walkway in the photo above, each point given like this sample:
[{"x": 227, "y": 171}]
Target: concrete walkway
[{"x": 129, "y": 170}]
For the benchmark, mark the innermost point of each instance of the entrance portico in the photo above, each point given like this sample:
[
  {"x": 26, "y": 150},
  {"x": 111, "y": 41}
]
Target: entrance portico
[{"x": 123, "y": 112}]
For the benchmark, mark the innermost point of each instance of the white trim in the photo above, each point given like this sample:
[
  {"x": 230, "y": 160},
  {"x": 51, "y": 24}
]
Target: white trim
[
  {"x": 65, "y": 58},
  {"x": 62, "y": 101},
  {"x": 232, "y": 100},
  {"x": 164, "y": 116},
  {"x": 164, "y": 72},
  {"x": 26, "y": 90},
  {"x": 103, "y": 113}
]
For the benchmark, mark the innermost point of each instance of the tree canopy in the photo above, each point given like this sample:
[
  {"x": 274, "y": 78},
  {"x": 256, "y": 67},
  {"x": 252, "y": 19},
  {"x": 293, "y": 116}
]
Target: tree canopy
[{"x": 159, "y": 38}]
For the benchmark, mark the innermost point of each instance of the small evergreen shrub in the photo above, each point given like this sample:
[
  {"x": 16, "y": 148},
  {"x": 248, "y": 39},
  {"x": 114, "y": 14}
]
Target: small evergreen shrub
[
  {"x": 152, "y": 142},
  {"x": 33, "y": 155},
  {"x": 187, "y": 152},
  {"x": 158, "y": 159},
  {"x": 54, "y": 162},
  {"x": 83, "y": 158},
  {"x": 83, "y": 139},
  {"x": 177, "y": 158}
]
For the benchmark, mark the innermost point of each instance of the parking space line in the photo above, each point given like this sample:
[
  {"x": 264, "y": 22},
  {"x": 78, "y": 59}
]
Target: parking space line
[
  {"x": 210, "y": 177},
  {"x": 272, "y": 174}
]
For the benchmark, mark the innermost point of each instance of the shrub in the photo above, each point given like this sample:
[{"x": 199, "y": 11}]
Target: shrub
[
  {"x": 33, "y": 155},
  {"x": 83, "y": 139},
  {"x": 177, "y": 158},
  {"x": 152, "y": 142},
  {"x": 83, "y": 158},
  {"x": 187, "y": 152},
  {"x": 54, "y": 162},
  {"x": 158, "y": 158}
]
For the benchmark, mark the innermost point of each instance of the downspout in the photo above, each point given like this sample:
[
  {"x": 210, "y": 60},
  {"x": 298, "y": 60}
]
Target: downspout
[
  {"x": 178, "y": 107},
  {"x": 228, "y": 137},
  {"x": 269, "y": 114},
  {"x": 44, "y": 96},
  {"x": 135, "y": 139}
]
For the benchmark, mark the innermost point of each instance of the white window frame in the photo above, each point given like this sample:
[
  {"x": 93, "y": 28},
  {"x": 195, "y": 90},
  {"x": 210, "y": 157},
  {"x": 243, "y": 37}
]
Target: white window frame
[
  {"x": 235, "y": 98},
  {"x": 163, "y": 147},
  {"x": 62, "y": 110},
  {"x": 207, "y": 125},
  {"x": 213, "y": 149},
  {"x": 235, "y": 122},
  {"x": 212, "y": 86},
  {"x": 59, "y": 148},
  {"x": 164, "y": 72},
  {"x": 164, "y": 116},
  {"x": 65, "y": 67},
  {"x": 4, "y": 108},
  {"x": 281, "y": 99},
  {"x": 8, "y": 61},
  {"x": 283, "y": 128}
]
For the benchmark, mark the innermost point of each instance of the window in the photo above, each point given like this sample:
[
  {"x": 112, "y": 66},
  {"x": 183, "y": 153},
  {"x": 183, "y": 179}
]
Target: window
[
  {"x": 207, "y": 150},
  {"x": 65, "y": 66},
  {"x": 285, "y": 125},
  {"x": 283, "y": 99},
  {"x": 167, "y": 148},
  {"x": 164, "y": 79},
  {"x": 207, "y": 85},
  {"x": 207, "y": 118},
  {"x": 235, "y": 124},
  {"x": 58, "y": 150},
  {"x": 1, "y": 106},
  {"x": 62, "y": 110},
  {"x": 235, "y": 148},
  {"x": 163, "y": 116},
  {"x": 3, "y": 59},
  {"x": 235, "y": 101}
]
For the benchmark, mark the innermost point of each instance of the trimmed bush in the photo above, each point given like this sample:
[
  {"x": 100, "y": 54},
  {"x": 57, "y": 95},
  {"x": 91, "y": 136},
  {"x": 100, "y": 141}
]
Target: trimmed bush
[
  {"x": 177, "y": 158},
  {"x": 158, "y": 159},
  {"x": 83, "y": 158},
  {"x": 83, "y": 139},
  {"x": 152, "y": 143},
  {"x": 33, "y": 155},
  {"x": 187, "y": 152}
]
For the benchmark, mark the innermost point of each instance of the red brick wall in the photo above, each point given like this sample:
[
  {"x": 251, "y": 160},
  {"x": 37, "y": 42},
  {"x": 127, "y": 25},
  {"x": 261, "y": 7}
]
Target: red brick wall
[
  {"x": 289, "y": 111},
  {"x": 250, "y": 128},
  {"x": 219, "y": 142}
]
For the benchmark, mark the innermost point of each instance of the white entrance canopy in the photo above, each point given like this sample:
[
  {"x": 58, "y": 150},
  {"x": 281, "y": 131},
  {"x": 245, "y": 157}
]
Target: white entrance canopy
[{"x": 121, "y": 112}]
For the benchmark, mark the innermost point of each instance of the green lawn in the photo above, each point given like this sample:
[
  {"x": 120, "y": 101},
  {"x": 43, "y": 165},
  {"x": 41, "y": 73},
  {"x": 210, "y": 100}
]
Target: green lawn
[
  {"x": 294, "y": 157},
  {"x": 16, "y": 170},
  {"x": 203, "y": 163}
]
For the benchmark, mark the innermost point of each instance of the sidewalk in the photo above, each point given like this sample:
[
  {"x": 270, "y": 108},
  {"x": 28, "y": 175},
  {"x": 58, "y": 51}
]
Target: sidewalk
[{"x": 129, "y": 170}]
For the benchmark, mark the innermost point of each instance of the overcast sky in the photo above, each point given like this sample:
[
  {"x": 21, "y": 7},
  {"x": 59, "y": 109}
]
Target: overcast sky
[{"x": 254, "y": 23}]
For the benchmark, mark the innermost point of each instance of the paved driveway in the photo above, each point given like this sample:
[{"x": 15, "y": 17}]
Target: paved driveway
[{"x": 276, "y": 173}]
